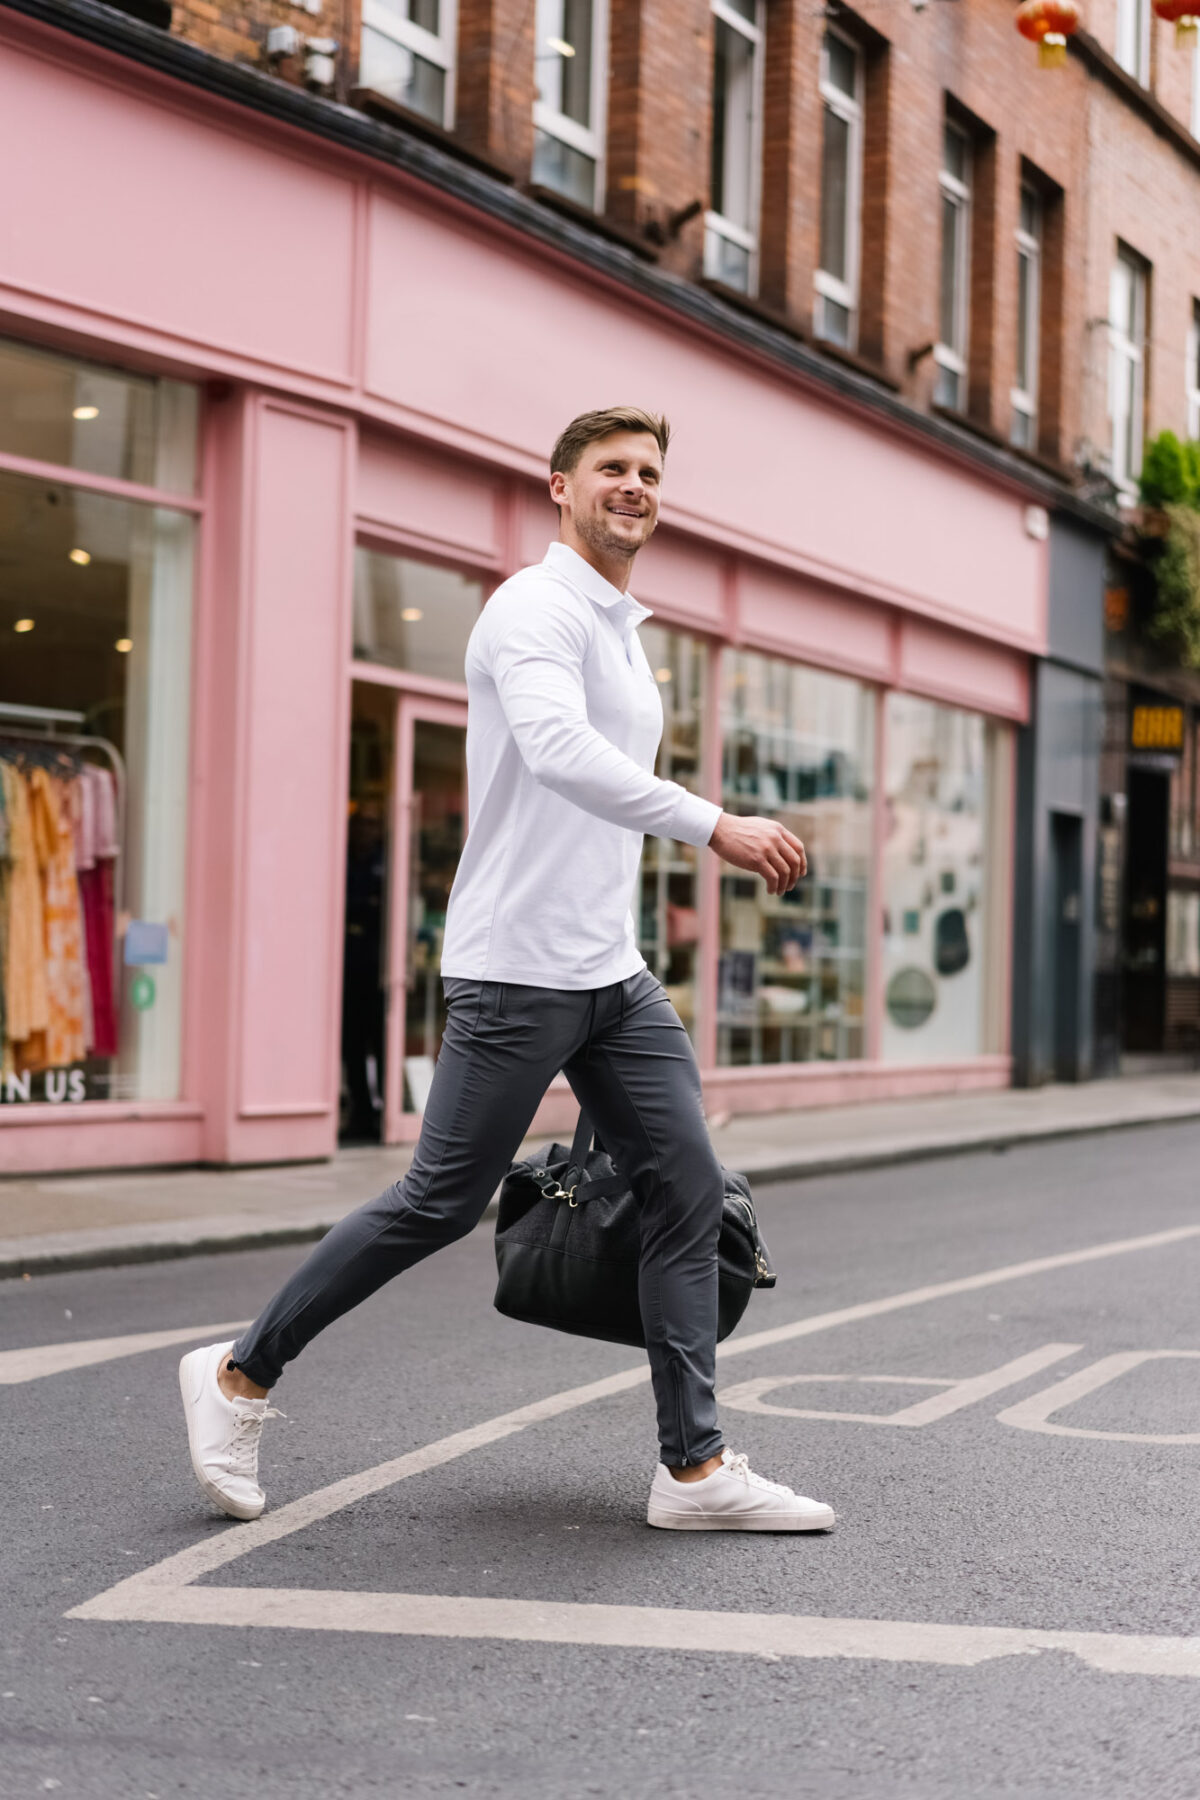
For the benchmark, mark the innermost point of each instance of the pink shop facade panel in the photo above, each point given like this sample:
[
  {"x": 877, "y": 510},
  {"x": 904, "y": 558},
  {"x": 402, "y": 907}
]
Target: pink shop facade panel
[{"x": 811, "y": 566}]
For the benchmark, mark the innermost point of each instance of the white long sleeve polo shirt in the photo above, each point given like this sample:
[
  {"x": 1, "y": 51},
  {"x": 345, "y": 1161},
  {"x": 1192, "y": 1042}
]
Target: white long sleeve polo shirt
[{"x": 564, "y": 720}]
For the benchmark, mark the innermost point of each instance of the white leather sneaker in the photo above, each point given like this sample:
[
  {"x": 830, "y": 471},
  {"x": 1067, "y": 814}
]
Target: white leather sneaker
[
  {"x": 223, "y": 1435},
  {"x": 732, "y": 1498}
]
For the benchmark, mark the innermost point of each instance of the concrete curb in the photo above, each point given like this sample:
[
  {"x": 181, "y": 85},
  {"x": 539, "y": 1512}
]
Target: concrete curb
[{"x": 165, "y": 1241}]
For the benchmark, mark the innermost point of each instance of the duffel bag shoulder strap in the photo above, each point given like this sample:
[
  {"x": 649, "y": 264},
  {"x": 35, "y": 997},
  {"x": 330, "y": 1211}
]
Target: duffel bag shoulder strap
[
  {"x": 575, "y": 1173},
  {"x": 581, "y": 1188}
]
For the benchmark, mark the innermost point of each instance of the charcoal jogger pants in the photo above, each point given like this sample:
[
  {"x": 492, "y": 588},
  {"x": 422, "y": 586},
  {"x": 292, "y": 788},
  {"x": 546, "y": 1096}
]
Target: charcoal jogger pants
[{"x": 631, "y": 1064}]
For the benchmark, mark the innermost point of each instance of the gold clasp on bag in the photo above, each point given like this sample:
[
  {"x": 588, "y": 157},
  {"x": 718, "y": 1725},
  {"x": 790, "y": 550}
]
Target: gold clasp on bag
[{"x": 559, "y": 1192}]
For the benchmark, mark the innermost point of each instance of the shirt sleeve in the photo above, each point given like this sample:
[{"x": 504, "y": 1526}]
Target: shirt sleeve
[{"x": 538, "y": 645}]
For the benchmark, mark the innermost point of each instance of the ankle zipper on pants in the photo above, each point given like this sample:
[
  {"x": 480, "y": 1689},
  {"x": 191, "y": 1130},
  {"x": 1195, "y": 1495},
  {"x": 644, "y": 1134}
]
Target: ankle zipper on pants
[{"x": 679, "y": 1427}]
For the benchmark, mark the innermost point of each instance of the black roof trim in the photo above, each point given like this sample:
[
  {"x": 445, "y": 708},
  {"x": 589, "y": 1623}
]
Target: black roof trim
[{"x": 264, "y": 93}]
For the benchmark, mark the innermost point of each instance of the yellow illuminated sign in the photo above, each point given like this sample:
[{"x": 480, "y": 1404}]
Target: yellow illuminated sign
[{"x": 1156, "y": 728}]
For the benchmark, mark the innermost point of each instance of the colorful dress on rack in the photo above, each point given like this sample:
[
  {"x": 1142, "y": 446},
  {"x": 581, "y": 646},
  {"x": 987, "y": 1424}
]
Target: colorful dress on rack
[
  {"x": 64, "y": 1040},
  {"x": 27, "y": 1000}
]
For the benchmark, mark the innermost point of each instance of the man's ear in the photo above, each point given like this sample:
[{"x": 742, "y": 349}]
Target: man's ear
[{"x": 558, "y": 487}]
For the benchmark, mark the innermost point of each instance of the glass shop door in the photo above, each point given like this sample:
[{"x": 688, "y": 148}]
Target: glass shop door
[{"x": 429, "y": 829}]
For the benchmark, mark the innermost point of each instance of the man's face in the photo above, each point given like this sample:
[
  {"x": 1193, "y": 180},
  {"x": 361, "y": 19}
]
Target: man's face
[{"x": 611, "y": 498}]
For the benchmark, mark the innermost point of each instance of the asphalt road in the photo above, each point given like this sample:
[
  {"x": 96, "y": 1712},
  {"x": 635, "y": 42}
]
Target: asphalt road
[{"x": 1003, "y": 1609}]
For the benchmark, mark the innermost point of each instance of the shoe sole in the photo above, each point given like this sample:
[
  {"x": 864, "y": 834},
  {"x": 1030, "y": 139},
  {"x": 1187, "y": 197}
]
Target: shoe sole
[
  {"x": 228, "y": 1507},
  {"x": 665, "y": 1521}
]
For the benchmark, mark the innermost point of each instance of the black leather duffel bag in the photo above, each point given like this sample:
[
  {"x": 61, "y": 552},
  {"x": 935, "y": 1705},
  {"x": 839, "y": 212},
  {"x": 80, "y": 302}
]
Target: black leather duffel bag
[{"x": 567, "y": 1245}]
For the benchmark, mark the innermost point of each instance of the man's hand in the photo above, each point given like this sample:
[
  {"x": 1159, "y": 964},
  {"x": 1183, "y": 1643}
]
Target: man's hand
[{"x": 764, "y": 847}]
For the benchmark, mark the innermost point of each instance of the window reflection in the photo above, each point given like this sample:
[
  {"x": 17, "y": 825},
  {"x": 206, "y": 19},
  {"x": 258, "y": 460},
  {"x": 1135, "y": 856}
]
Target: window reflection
[
  {"x": 935, "y": 881},
  {"x": 82, "y": 415},
  {"x": 412, "y": 615},
  {"x": 797, "y": 747},
  {"x": 669, "y": 923}
]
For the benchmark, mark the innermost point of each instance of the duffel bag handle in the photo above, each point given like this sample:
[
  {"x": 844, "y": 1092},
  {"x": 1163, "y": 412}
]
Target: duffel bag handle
[{"x": 581, "y": 1143}]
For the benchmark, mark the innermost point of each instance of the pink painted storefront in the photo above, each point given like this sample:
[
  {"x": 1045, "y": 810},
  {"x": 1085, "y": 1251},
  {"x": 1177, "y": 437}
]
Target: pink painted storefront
[{"x": 273, "y": 422}]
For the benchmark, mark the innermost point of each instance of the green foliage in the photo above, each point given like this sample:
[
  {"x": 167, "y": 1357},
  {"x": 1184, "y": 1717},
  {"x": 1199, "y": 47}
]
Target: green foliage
[
  {"x": 1170, "y": 472},
  {"x": 1170, "y": 483},
  {"x": 1176, "y": 620}
]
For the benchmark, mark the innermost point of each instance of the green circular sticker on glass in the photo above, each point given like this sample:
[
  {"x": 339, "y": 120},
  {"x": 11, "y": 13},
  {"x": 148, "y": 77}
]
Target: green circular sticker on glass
[{"x": 142, "y": 991}]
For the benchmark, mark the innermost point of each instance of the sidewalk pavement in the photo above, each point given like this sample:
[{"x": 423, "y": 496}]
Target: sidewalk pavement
[{"x": 92, "y": 1221}]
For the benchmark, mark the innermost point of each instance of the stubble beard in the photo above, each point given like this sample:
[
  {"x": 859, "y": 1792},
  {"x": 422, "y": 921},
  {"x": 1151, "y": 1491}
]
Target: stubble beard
[{"x": 603, "y": 541}]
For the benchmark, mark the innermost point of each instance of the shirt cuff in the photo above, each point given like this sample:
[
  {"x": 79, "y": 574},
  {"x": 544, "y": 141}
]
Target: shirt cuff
[{"x": 695, "y": 819}]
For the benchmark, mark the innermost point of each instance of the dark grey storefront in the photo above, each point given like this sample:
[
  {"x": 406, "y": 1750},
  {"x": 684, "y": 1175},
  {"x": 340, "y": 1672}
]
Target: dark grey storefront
[{"x": 1056, "y": 922}]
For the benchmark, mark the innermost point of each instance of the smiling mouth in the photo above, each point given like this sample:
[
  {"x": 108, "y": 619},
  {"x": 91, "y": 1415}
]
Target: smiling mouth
[{"x": 626, "y": 512}]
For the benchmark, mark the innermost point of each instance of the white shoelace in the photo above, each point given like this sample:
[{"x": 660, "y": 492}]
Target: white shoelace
[
  {"x": 247, "y": 1430},
  {"x": 738, "y": 1464}
]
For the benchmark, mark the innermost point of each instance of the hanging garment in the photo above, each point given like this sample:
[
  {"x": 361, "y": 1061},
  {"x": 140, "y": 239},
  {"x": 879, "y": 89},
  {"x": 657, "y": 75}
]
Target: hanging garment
[
  {"x": 97, "y": 838},
  {"x": 105, "y": 796},
  {"x": 64, "y": 1041},
  {"x": 83, "y": 831},
  {"x": 5, "y": 866},
  {"x": 96, "y": 899},
  {"x": 26, "y": 995}
]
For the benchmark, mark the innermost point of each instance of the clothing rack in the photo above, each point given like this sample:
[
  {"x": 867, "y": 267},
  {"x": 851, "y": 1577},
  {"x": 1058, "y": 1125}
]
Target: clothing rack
[{"x": 23, "y": 726}]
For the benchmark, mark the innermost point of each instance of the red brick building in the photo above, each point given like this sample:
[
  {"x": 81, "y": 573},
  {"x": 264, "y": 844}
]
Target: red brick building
[{"x": 832, "y": 135}]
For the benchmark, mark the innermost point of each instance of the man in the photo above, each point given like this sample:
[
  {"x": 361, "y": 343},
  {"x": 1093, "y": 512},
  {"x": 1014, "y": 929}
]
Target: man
[{"x": 542, "y": 972}]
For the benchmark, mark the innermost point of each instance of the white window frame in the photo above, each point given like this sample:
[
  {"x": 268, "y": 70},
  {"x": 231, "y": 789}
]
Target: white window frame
[
  {"x": 1127, "y": 373},
  {"x": 716, "y": 225},
  {"x": 954, "y": 356},
  {"x": 1029, "y": 247},
  {"x": 850, "y": 108},
  {"x": 438, "y": 49},
  {"x": 1132, "y": 48},
  {"x": 1193, "y": 373},
  {"x": 588, "y": 140}
]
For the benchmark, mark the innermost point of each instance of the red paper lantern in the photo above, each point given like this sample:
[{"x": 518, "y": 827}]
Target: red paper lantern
[
  {"x": 1183, "y": 13},
  {"x": 1049, "y": 23}
]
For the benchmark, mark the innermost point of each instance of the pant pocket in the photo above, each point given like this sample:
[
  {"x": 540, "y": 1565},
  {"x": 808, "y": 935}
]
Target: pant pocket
[{"x": 457, "y": 987}]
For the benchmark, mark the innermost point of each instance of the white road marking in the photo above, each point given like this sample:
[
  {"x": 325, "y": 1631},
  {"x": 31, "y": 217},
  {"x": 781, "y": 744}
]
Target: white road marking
[
  {"x": 943, "y": 1290},
  {"x": 1034, "y": 1413},
  {"x": 747, "y": 1395},
  {"x": 202, "y": 1558},
  {"x": 53, "y": 1359},
  {"x": 58, "y": 1359},
  {"x": 645, "y": 1627},
  {"x": 163, "y": 1592}
]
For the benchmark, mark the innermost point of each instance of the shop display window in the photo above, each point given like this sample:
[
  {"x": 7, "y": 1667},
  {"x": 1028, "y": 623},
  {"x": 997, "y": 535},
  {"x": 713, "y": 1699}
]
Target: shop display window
[
  {"x": 940, "y": 882},
  {"x": 797, "y": 746},
  {"x": 79, "y": 415},
  {"x": 413, "y": 615},
  {"x": 669, "y": 924},
  {"x": 95, "y": 624}
]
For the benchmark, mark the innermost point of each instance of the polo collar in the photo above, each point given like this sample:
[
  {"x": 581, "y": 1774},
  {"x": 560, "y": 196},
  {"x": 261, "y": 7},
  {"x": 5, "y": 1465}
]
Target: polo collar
[{"x": 592, "y": 585}]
